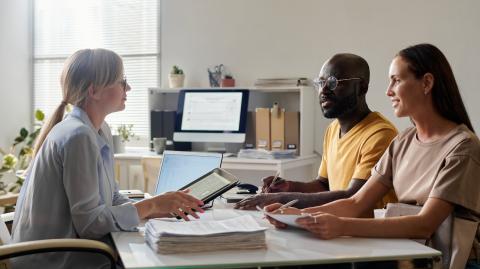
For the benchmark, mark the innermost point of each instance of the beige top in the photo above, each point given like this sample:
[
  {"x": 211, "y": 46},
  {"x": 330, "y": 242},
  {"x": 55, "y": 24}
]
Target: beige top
[{"x": 447, "y": 168}]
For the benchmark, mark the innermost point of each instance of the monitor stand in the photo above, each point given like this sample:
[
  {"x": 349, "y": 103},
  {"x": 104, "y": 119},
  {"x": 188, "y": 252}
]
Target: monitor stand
[{"x": 228, "y": 148}]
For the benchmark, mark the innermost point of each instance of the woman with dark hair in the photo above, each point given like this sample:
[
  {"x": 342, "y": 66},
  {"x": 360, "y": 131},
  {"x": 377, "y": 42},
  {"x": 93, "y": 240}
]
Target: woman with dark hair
[{"x": 434, "y": 164}]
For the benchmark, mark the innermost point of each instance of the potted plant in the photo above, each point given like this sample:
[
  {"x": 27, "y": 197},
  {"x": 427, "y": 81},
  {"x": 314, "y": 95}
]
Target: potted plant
[
  {"x": 176, "y": 77},
  {"x": 228, "y": 81},
  {"x": 124, "y": 134},
  {"x": 16, "y": 160}
]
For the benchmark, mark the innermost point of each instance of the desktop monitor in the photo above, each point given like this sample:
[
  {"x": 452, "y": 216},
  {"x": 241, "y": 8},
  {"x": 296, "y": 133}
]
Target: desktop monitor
[
  {"x": 180, "y": 168},
  {"x": 211, "y": 115}
]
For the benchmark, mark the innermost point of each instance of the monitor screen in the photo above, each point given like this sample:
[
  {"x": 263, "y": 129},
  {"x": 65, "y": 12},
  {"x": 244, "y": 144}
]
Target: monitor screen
[
  {"x": 211, "y": 116},
  {"x": 180, "y": 168}
]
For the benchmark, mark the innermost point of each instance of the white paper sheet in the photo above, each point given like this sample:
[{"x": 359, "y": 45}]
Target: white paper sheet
[{"x": 290, "y": 220}]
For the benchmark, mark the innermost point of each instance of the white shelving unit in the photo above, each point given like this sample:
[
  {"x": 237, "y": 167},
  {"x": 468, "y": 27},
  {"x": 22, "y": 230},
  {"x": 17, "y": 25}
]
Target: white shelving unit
[
  {"x": 300, "y": 99},
  {"x": 302, "y": 168}
]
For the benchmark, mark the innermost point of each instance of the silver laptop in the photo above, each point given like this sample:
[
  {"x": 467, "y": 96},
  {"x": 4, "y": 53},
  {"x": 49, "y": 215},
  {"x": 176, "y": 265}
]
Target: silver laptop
[{"x": 179, "y": 168}]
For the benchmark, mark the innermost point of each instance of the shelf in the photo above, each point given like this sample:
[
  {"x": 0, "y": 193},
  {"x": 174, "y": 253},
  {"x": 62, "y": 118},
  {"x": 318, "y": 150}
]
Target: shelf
[
  {"x": 292, "y": 98},
  {"x": 251, "y": 88}
]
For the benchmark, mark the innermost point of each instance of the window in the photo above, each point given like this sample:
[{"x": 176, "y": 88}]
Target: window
[{"x": 128, "y": 27}]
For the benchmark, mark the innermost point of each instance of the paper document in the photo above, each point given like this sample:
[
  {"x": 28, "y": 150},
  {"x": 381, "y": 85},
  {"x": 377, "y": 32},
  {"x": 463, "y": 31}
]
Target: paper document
[{"x": 290, "y": 220}]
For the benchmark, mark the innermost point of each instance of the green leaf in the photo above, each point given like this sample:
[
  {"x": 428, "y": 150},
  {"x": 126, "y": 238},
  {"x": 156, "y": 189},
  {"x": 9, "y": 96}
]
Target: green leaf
[
  {"x": 18, "y": 139},
  {"x": 39, "y": 115},
  {"x": 23, "y": 132}
]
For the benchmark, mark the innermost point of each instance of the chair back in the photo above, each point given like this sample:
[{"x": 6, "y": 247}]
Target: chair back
[
  {"x": 454, "y": 237},
  {"x": 5, "y": 236}
]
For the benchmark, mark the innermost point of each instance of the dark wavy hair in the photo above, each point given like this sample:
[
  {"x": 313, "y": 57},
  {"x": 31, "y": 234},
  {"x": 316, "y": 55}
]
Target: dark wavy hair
[{"x": 426, "y": 58}]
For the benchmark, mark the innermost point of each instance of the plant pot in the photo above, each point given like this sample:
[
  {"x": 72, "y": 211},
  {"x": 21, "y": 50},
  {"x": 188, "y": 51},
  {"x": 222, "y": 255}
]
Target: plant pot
[
  {"x": 118, "y": 144},
  {"x": 176, "y": 80},
  {"x": 228, "y": 82}
]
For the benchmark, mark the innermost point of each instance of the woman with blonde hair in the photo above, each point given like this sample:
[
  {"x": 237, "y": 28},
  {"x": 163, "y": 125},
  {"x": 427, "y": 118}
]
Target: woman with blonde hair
[
  {"x": 70, "y": 190},
  {"x": 434, "y": 164}
]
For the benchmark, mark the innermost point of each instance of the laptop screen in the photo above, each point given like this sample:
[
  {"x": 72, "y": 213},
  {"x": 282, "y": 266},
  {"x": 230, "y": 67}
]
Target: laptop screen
[{"x": 179, "y": 168}]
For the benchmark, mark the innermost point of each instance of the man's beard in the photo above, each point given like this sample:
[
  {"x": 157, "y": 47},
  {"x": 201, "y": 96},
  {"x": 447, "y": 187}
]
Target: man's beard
[{"x": 341, "y": 107}]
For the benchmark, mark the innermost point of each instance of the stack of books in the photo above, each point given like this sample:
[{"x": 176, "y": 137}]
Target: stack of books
[
  {"x": 281, "y": 82},
  {"x": 170, "y": 237}
]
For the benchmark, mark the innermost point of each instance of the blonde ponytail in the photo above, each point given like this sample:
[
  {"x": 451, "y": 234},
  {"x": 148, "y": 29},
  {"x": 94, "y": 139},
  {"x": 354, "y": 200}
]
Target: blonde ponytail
[{"x": 56, "y": 117}]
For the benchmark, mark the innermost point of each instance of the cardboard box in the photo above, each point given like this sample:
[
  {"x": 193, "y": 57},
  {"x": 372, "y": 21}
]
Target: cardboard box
[
  {"x": 277, "y": 132},
  {"x": 262, "y": 128},
  {"x": 292, "y": 130}
]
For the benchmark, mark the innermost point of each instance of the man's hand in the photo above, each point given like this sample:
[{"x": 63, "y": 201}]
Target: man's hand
[
  {"x": 280, "y": 185},
  {"x": 261, "y": 200}
]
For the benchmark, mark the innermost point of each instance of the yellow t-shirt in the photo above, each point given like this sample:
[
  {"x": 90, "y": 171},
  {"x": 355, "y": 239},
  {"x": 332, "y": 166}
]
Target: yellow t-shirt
[{"x": 355, "y": 154}]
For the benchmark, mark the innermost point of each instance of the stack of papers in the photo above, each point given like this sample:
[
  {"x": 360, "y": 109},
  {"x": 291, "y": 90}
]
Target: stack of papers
[
  {"x": 170, "y": 237},
  {"x": 266, "y": 154}
]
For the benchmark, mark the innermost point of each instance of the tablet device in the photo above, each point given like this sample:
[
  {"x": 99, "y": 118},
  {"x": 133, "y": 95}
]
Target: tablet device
[{"x": 211, "y": 185}]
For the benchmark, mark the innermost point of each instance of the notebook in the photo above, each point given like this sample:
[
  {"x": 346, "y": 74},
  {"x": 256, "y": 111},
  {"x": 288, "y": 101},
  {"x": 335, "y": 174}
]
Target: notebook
[{"x": 180, "y": 168}]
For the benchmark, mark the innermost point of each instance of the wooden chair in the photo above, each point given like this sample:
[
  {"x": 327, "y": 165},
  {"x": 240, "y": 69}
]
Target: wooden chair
[{"x": 8, "y": 250}]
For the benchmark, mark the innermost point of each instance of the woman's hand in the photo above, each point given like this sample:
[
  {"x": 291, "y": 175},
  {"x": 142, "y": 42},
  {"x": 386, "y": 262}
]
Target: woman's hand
[
  {"x": 178, "y": 203},
  {"x": 323, "y": 225},
  {"x": 274, "y": 209}
]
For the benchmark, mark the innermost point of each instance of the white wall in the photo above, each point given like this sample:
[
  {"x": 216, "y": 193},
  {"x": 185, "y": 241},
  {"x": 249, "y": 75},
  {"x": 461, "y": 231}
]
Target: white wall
[
  {"x": 270, "y": 38},
  {"x": 15, "y": 78}
]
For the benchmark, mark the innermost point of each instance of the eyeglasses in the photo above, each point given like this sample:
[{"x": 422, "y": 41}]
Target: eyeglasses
[
  {"x": 331, "y": 82},
  {"x": 124, "y": 83}
]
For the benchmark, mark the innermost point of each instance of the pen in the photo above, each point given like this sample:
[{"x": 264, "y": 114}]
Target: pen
[
  {"x": 288, "y": 204},
  {"x": 274, "y": 180}
]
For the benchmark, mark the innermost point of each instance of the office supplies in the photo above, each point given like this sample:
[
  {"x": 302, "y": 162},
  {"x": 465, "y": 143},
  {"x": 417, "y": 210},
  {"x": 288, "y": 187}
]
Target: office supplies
[
  {"x": 245, "y": 188},
  {"x": 162, "y": 124},
  {"x": 288, "y": 204},
  {"x": 277, "y": 127},
  {"x": 238, "y": 233},
  {"x": 275, "y": 178},
  {"x": 262, "y": 128},
  {"x": 179, "y": 168},
  {"x": 233, "y": 196},
  {"x": 211, "y": 185},
  {"x": 211, "y": 116},
  {"x": 250, "y": 131},
  {"x": 292, "y": 131}
]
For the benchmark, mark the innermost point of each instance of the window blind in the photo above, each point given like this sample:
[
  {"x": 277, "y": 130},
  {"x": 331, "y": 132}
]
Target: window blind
[{"x": 128, "y": 27}]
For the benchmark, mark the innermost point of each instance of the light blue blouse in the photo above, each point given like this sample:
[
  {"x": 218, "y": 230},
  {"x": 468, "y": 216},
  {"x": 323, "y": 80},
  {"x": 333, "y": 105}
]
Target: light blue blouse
[{"x": 70, "y": 192}]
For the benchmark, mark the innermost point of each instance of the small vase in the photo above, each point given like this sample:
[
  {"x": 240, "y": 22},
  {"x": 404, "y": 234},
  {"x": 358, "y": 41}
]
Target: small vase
[
  {"x": 176, "y": 80},
  {"x": 118, "y": 144},
  {"x": 228, "y": 82}
]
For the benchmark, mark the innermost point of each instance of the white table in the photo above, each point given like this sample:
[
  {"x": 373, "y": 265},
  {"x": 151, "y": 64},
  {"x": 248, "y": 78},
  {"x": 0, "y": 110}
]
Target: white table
[{"x": 284, "y": 247}]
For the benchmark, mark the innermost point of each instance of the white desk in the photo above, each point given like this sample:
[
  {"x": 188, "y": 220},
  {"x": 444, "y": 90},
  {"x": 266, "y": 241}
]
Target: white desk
[
  {"x": 284, "y": 247},
  {"x": 302, "y": 168}
]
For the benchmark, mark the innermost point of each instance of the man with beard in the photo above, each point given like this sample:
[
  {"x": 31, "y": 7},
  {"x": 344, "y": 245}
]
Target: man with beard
[{"x": 353, "y": 143}]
